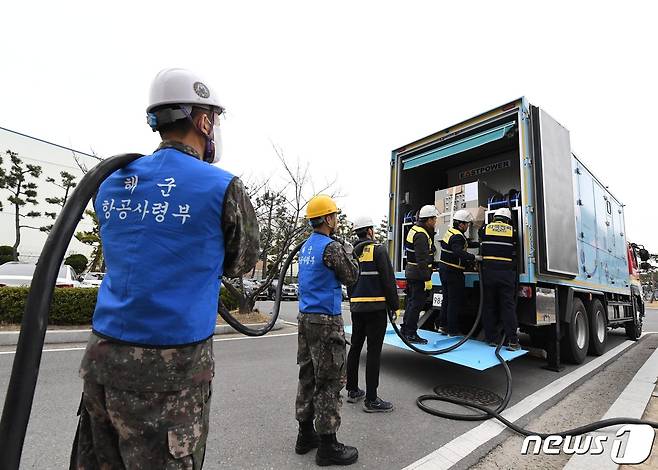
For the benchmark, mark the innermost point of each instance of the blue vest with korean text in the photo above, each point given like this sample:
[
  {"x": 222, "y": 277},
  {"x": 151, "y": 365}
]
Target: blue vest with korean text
[
  {"x": 319, "y": 289},
  {"x": 161, "y": 229}
]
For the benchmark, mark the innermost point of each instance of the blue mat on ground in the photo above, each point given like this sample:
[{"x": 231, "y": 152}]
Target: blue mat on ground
[{"x": 474, "y": 354}]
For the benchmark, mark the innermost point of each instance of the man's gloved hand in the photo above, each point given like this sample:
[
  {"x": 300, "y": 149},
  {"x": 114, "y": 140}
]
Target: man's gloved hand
[
  {"x": 396, "y": 314},
  {"x": 478, "y": 258},
  {"x": 428, "y": 285},
  {"x": 348, "y": 247}
]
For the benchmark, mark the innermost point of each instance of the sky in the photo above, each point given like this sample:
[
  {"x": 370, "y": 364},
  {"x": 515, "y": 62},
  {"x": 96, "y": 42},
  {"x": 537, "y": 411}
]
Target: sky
[{"x": 341, "y": 84}]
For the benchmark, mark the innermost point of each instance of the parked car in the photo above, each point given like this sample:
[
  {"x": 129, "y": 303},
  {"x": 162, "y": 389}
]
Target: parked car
[
  {"x": 289, "y": 292},
  {"x": 92, "y": 279},
  {"x": 17, "y": 274}
]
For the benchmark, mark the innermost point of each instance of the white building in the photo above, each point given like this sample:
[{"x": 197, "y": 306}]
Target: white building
[{"x": 53, "y": 159}]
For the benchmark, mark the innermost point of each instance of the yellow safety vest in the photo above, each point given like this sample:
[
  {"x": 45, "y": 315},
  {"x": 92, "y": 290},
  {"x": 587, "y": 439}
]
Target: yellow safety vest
[
  {"x": 497, "y": 245},
  {"x": 447, "y": 256},
  {"x": 409, "y": 244},
  {"x": 368, "y": 288}
]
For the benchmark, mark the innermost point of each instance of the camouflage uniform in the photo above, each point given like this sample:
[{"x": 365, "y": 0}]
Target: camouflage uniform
[
  {"x": 148, "y": 408},
  {"x": 321, "y": 354}
]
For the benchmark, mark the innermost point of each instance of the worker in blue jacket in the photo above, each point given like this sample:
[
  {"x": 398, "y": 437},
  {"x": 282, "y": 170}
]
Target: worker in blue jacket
[
  {"x": 324, "y": 264},
  {"x": 171, "y": 224}
]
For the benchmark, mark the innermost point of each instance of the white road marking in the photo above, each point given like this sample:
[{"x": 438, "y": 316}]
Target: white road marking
[
  {"x": 631, "y": 403},
  {"x": 214, "y": 340},
  {"x": 255, "y": 337},
  {"x": 48, "y": 350},
  {"x": 462, "y": 446}
]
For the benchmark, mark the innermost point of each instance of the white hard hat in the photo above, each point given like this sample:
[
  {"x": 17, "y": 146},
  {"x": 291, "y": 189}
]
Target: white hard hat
[
  {"x": 427, "y": 211},
  {"x": 180, "y": 86},
  {"x": 503, "y": 212},
  {"x": 363, "y": 222},
  {"x": 462, "y": 215}
]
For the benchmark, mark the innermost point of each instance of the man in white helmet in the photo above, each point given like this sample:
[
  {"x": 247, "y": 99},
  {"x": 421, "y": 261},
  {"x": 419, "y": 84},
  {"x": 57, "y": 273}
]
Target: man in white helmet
[
  {"x": 420, "y": 250},
  {"x": 171, "y": 225},
  {"x": 499, "y": 276},
  {"x": 373, "y": 293},
  {"x": 452, "y": 263}
]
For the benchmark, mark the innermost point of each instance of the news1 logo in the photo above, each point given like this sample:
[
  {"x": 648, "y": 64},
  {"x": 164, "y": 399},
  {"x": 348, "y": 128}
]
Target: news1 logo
[{"x": 631, "y": 445}]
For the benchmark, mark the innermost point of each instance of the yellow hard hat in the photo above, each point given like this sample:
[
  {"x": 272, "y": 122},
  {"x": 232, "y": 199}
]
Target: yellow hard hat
[{"x": 321, "y": 205}]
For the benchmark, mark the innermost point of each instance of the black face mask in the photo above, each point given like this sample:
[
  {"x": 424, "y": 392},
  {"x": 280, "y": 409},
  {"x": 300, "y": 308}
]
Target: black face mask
[{"x": 211, "y": 152}]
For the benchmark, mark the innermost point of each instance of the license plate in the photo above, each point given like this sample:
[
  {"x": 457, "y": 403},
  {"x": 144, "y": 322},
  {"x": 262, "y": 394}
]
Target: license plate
[{"x": 436, "y": 300}]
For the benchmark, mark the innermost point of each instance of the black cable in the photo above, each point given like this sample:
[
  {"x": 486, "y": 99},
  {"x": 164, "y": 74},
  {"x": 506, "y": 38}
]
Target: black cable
[
  {"x": 488, "y": 413},
  {"x": 25, "y": 369},
  {"x": 427, "y": 352},
  {"x": 245, "y": 330}
]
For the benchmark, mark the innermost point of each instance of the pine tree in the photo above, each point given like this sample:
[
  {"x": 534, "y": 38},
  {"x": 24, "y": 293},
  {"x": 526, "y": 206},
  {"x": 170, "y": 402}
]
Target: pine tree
[{"x": 22, "y": 192}]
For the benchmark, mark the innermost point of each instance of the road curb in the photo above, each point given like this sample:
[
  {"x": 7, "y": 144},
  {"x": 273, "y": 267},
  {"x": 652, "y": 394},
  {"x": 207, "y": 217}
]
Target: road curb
[
  {"x": 468, "y": 448},
  {"x": 10, "y": 338}
]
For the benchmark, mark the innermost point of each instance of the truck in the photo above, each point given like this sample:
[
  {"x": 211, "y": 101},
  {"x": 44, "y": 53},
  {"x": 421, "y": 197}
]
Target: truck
[{"x": 578, "y": 276}]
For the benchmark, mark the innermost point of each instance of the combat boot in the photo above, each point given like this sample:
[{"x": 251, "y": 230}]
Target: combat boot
[
  {"x": 307, "y": 438},
  {"x": 332, "y": 452}
]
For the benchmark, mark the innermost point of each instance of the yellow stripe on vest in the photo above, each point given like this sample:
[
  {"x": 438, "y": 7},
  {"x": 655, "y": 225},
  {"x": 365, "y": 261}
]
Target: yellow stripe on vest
[
  {"x": 498, "y": 229},
  {"x": 497, "y": 258},
  {"x": 453, "y": 265},
  {"x": 367, "y": 299}
]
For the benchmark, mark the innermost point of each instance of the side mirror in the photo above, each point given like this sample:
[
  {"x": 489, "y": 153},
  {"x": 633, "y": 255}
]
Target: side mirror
[{"x": 644, "y": 254}]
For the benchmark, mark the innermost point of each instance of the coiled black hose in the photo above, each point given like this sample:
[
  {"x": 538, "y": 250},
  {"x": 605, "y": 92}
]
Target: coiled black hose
[
  {"x": 485, "y": 412},
  {"x": 488, "y": 413}
]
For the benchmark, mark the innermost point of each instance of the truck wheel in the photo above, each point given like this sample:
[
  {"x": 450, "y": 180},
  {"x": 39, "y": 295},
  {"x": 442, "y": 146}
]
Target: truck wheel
[
  {"x": 634, "y": 328},
  {"x": 598, "y": 331},
  {"x": 575, "y": 342}
]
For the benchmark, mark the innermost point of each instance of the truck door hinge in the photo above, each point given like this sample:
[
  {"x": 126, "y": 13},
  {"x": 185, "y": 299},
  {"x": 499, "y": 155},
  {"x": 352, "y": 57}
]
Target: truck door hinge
[
  {"x": 525, "y": 115},
  {"x": 527, "y": 161},
  {"x": 531, "y": 209},
  {"x": 391, "y": 195}
]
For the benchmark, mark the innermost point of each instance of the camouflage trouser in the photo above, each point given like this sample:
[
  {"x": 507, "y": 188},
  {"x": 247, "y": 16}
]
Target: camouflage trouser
[
  {"x": 122, "y": 429},
  {"x": 321, "y": 359}
]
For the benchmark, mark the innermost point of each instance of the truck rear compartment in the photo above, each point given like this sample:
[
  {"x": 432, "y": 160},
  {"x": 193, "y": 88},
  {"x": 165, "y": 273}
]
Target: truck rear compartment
[
  {"x": 574, "y": 277},
  {"x": 471, "y": 169}
]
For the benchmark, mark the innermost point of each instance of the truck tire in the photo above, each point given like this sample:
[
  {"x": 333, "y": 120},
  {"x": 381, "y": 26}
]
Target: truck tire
[
  {"x": 634, "y": 328},
  {"x": 575, "y": 342},
  {"x": 598, "y": 330}
]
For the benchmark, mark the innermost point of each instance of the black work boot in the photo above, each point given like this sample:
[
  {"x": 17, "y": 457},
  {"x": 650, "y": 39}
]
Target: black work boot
[
  {"x": 307, "y": 438},
  {"x": 332, "y": 452}
]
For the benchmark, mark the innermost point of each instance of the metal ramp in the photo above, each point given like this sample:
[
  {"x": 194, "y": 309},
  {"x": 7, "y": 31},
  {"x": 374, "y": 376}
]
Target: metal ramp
[{"x": 473, "y": 353}]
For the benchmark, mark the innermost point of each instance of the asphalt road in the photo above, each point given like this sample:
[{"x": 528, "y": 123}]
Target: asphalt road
[{"x": 253, "y": 423}]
